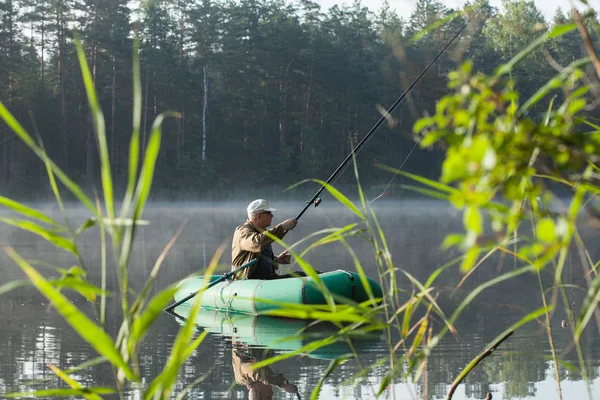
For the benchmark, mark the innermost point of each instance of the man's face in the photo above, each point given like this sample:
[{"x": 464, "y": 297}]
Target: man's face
[{"x": 264, "y": 219}]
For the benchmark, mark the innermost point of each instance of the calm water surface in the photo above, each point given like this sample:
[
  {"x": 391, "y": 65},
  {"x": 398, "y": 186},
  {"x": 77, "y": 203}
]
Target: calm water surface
[{"x": 32, "y": 335}]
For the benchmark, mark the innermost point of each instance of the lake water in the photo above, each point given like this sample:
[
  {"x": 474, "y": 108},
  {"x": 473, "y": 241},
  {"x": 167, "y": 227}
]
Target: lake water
[{"x": 33, "y": 336}]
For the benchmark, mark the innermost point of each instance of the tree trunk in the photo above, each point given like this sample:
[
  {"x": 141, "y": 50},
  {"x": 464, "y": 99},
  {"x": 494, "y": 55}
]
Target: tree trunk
[
  {"x": 283, "y": 84},
  {"x": 61, "y": 87},
  {"x": 306, "y": 109},
  {"x": 204, "y": 108},
  {"x": 42, "y": 44}
]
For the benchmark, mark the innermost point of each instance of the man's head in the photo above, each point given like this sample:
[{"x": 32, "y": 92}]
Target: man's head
[{"x": 260, "y": 213}]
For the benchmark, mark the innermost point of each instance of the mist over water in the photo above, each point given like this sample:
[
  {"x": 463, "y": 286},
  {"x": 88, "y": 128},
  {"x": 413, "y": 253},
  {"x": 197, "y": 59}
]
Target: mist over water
[{"x": 31, "y": 335}]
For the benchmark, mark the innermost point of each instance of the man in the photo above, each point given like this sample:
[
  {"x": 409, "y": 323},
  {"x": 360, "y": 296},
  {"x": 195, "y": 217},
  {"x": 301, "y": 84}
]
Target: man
[
  {"x": 260, "y": 381},
  {"x": 250, "y": 241}
]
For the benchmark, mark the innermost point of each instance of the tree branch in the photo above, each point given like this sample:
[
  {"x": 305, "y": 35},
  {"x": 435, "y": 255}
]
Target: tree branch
[{"x": 586, "y": 40}]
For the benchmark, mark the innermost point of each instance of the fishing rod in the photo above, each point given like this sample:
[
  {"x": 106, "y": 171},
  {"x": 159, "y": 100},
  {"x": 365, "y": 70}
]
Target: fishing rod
[{"x": 316, "y": 200}]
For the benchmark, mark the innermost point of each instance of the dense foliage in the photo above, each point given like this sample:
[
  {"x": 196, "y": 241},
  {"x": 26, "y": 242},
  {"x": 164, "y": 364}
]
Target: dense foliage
[{"x": 269, "y": 92}]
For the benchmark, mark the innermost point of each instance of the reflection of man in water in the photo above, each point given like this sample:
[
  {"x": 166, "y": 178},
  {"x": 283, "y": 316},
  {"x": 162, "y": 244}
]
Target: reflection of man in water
[{"x": 259, "y": 381}]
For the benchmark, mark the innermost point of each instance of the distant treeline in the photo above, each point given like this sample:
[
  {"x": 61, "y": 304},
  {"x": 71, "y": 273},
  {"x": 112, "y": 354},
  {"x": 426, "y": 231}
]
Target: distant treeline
[{"x": 270, "y": 92}]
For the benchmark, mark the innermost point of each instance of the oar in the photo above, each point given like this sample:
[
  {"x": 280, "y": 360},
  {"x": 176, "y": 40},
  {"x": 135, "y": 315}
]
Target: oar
[{"x": 225, "y": 276}]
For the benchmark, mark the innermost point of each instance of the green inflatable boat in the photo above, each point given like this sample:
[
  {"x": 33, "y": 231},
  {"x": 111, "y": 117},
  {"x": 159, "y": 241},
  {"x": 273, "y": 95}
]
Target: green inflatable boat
[
  {"x": 244, "y": 296},
  {"x": 283, "y": 335}
]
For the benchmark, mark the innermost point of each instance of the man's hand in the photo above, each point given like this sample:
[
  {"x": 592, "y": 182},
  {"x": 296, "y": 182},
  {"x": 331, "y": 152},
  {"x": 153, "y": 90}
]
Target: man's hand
[
  {"x": 284, "y": 258},
  {"x": 289, "y": 224}
]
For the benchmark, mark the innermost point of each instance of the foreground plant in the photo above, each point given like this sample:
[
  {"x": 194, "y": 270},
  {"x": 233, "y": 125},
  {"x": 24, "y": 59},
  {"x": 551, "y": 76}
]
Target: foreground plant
[
  {"x": 502, "y": 159},
  {"x": 140, "y": 310}
]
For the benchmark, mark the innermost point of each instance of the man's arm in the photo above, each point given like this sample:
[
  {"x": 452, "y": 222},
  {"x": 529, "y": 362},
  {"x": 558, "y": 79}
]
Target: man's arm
[{"x": 254, "y": 242}]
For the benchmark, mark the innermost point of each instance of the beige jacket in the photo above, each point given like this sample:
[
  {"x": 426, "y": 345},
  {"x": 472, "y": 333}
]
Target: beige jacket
[
  {"x": 242, "y": 360},
  {"x": 248, "y": 242}
]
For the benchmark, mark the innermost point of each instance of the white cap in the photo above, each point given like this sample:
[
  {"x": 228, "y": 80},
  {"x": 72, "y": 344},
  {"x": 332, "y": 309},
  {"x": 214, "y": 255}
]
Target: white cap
[{"x": 259, "y": 205}]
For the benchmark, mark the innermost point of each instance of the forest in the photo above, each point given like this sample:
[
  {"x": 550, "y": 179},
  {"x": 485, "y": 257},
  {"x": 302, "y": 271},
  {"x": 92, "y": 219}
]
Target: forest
[{"x": 268, "y": 92}]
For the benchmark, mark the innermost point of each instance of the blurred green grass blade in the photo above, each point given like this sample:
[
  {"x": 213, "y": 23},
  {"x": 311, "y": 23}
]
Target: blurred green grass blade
[
  {"x": 52, "y": 180},
  {"x": 335, "y": 193},
  {"x": 162, "y": 385},
  {"x": 336, "y": 362},
  {"x": 360, "y": 270},
  {"x": 134, "y": 143},
  {"x": 341, "y": 198},
  {"x": 99, "y": 126},
  {"x": 86, "y": 289},
  {"x": 28, "y": 211},
  {"x": 448, "y": 322},
  {"x": 94, "y": 335},
  {"x": 7, "y": 287},
  {"x": 148, "y": 167},
  {"x": 427, "y": 192},
  {"x": 144, "y": 293},
  {"x": 24, "y": 136},
  {"x": 57, "y": 240},
  {"x": 555, "y": 32},
  {"x": 306, "y": 349},
  {"x": 554, "y": 83},
  {"x": 476, "y": 291},
  {"x": 427, "y": 182},
  {"x": 439, "y": 22},
  {"x": 528, "y": 318},
  {"x": 182, "y": 395},
  {"x": 61, "y": 392},
  {"x": 91, "y": 363},
  {"x": 72, "y": 382},
  {"x": 89, "y": 223},
  {"x": 332, "y": 235},
  {"x": 142, "y": 323},
  {"x": 588, "y": 306},
  {"x": 315, "y": 314}
]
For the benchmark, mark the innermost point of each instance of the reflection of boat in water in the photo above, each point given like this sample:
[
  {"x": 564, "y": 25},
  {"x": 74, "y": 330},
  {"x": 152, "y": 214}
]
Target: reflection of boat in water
[
  {"x": 279, "y": 334},
  {"x": 244, "y": 296}
]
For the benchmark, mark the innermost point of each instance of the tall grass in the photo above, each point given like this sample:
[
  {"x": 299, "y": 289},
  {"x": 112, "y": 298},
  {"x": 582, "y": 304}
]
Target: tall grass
[{"x": 118, "y": 230}]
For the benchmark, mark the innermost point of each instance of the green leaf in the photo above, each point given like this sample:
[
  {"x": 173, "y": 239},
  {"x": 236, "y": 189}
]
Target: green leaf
[
  {"x": 342, "y": 199},
  {"x": 454, "y": 166},
  {"x": 134, "y": 143},
  {"x": 546, "y": 230},
  {"x": 430, "y": 193},
  {"x": 435, "y": 25},
  {"x": 428, "y": 182},
  {"x": 561, "y": 30},
  {"x": 73, "y": 383},
  {"x": 155, "y": 308},
  {"x": 7, "y": 287},
  {"x": 423, "y": 123},
  {"x": 472, "y": 220},
  {"x": 93, "y": 334},
  {"x": 28, "y": 212},
  {"x": 90, "y": 222},
  {"x": 85, "y": 289},
  {"x": 454, "y": 239},
  {"x": 99, "y": 127},
  {"x": 470, "y": 259},
  {"x": 57, "y": 240}
]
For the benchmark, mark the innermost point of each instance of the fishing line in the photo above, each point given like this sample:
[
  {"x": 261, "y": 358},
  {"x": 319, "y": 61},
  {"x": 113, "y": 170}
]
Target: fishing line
[{"x": 316, "y": 200}]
